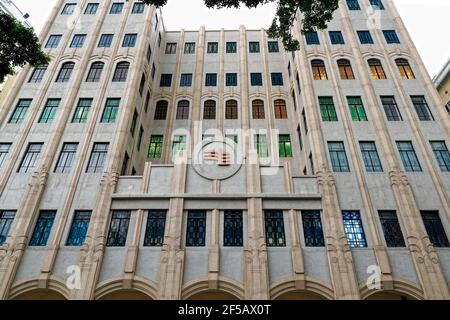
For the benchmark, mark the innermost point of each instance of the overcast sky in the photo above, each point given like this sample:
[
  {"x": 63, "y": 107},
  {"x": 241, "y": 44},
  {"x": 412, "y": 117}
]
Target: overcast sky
[{"x": 427, "y": 21}]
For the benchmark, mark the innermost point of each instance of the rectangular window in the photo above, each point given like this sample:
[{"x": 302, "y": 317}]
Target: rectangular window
[
  {"x": 254, "y": 47},
  {"x": 336, "y": 37},
  {"x": 171, "y": 48},
  {"x": 66, "y": 157},
  {"x": 356, "y": 109},
  {"x": 153, "y": 71},
  {"x": 155, "y": 149},
  {"x": 110, "y": 111},
  {"x": 277, "y": 79},
  {"x": 189, "y": 48},
  {"x": 273, "y": 46},
  {"x": 78, "y": 41},
  {"x": 178, "y": 145},
  {"x": 42, "y": 228},
  {"x": 156, "y": 226},
  {"x": 353, "y": 5},
  {"x": 391, "y": 229},
  {"x": 435, "y": 229},
  {"x": 327, "y": 109},
  {"x": 149, "y": 54},
  {"x": 377, "y": 4},
  {"x": 142, "y": 85},
  {"x": 285, "y": 147},
  {"x": 312, "y": 229},
  {"x": 116, "y": 8},
  {"x": 105, "y": 40},
  {"x": 133, "y": 123},
  {"x": 231, "y": 47},
  {"x": 38, "y": 74},
  {"x": 338, "y": 157},
  {"x": 82, "y": 111},
  {"x": 166, "y": 80},
  {"x": 69, "y": 8},
  {"x": 4, "y": 149},
  {"x": 129, "y": 40},
  {"x": 256, "y": 79},
  {"x": 233, "y": 229},
  {"x": 53, "y": 41},
  {"x": 118, "y": 230},
  {"x": 196, "y": 229},
  {"x": 161, "y": 110},
  {"x": 408, "y": 156},
  {"x": 49, "y": 112},
  {"x": 365, "y": 37},
  {"x": 354, "y": 230},
  {"x": 186, "y": 80},
  {"x": 261, "y": 146},
  {"x": 370, "y": 156},
  {"x": 91, "y": 8},
  {"x": 211, "y": 80},
  {"x": 305, "y": 122},
  {"x": 231, "y": 79},
  {"x": 391, "y": 36},
  {"x": 20, "y": 111},
  {"x": 422, "y": 108},
  {"x": 139, "y": 139},
  {"x": 79, "y": 228},
  {"x": 126, "y": 158},
  {"x": 441, "y": 153},
  {"x": 213, "y": 47},
  {"x": 391, "y": 109},
  {"x": 312, "y": 38},
  {"x": 98, "y": 157},
  {"x": 30, "y": 157},
  {"x": 138, "y": 8},
  {"x": 6, "y": 220},
  {"x": 274, "y": 226}
]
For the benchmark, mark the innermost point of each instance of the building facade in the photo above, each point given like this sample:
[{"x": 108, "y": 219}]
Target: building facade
[
  {"x": 442, "y": 82},
  {"x": 143, "y": 163}
]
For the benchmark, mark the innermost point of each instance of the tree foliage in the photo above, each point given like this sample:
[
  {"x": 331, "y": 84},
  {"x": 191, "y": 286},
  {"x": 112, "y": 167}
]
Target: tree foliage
[
  {"x": 18, "y": 45},
  {"x": 315, "y": 15}
]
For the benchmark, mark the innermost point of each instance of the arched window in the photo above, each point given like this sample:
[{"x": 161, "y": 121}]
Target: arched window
[
  {"x": 345, "y": 69},
  {"x": 376, "y": 69},
  {"x": 95, "y": 72},
  {"x": 280, "y": 109},
  {"x": 161, "y": 110},
  {"x": 121, "y": 72},
  {"x": 209, "y": 111},
  {"x": 38, "y": 74},
  {"x": 405, "y": 69},
  {"x": 65, "y": 72},
  {"x": 318, "y": 69},
  {"x": 183, "y": 110},
  {"x": 258, "y": 109},
  {"x": 231, "y": 109}
]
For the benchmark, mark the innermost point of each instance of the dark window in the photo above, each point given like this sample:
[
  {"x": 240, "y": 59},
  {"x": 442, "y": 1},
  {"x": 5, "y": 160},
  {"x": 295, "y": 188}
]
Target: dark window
[
  {"x": 273, "y": 46},
  {"x": 79, "y": 228},
  {"x": 233, "y": 229},
  {"x": 111, "y": 109},
  {"x": 391, "y": 36},
  {"x": 258, "y": 109},
  {"x": 95, "y": 72},
  {"x": 254, "y": 47},
  {"x": 377, "y": 4},
  {"x": 155, "y": 148},
  {"x": 231, "y": 79},
  {"x": 284, "y": 146},
  {"x": 142, "y": 85},
  {"x": 231, "y": 109},
  {"x": 312, "y": 229},
  {"x": 391, "y": 109},
  {"x": 312, "y": 38},
  {"x": 161, "y": 110},
  {"x": 231, "y": 47},
  {"x": 171, "y": 48},
  {"x": 138, "y": 8},
  {"x": 126, "y": 158},
  {"x": 336, "y": 37},
  {"x": 256, "y": 79},
  {"x": 38, "y": 74},
  {"x": 391, "y": 229},
  {"x": 209, "y": 111},
  {"x": 129, "y": 40},
  {"x": 82, "y": 111},
  {"x": 118, "y": 229},
  {"x": 139, "y": 139},
  {"x": 49, "y": 112},
  {"x": 319, "y": 70},
  {"x": 422, "y": 108},
  {"x": 166, "y": 80},
  {"x": 53, "y": 41},
  {"x": 6, "y": 220},
  {"x": 376, "y": 69},
  {"x": 211, "y": 80},
  {"x": 370, "y": 156},
  {"x": 149, "y": 54},
  {"x": 183, "y": 110},
  {"x": 274, "y": 225},
  {"x": 435, "y": 229},
  {"x": 147, "y": 101},
  {"x": 365, "y": 37},
  {"x": 116, "y": 8},
  {"x": 357, "y": 110},
  {"x": 78, "y": 41},
  {"x": 354, "y": 229},
  {"x": 408, "y": 156},
  {"x": 105, "y": 40},
  {"x": 213, "y": 47},
  {"x": 345, "y": 69},
  {"x": 189, "y": 48},
  {"x": 280, "y": 109},
  {"x": 442, "y": 155},
  {"x": 133, "y": 123},
  {"x": 405, "y": 69},
  {"x": 42, "y": 228},
  {"x": 353, "y": 5},
  {"x": 196, "y": 229},
  {"x": 91, "y": 8},
  {"x": 186, "y": 80},
  {"x": 156, "y": 226},
  {"x": 69, "y": 8},
  {"x": 98, "y": 157},
  {"x": 66, "y": 157},
  {"x": 4, "y": 149},
  {"x": 121, "y": 72},
  {"x": 327, "y": 109},
  {"x": 65, "y": 72},
  {"x": 277, "y": 79},
  {"x": 20, "y": 111},
  {"x": 30, "y": 157},
  {"x": 338, "y": 157},
  {"x": 305, "y": 121}
]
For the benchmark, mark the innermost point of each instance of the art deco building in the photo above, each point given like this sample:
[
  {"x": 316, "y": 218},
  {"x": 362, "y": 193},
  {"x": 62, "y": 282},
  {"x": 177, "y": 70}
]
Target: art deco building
[
  {"x": 442, "y": 82},
  {"x": 146, "y": 163}
]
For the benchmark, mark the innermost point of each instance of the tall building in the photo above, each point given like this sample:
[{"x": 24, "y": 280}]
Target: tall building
[
  {"x": 442, "y": 82},
  {"x": 150, "y": 164}
]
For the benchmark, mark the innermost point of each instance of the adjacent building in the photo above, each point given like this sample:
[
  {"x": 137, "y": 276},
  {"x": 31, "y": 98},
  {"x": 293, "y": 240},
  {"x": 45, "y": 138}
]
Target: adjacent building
[
  {"x": 442, "y": 82},
  {"x": 143, "y": 163}
]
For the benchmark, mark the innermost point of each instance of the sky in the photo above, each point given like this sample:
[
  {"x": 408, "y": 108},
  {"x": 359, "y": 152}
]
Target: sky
[{"x": 426, "y": 20}]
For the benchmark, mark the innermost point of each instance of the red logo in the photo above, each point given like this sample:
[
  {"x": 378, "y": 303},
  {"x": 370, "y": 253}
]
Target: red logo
[{"x": 222, "y": 157}]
